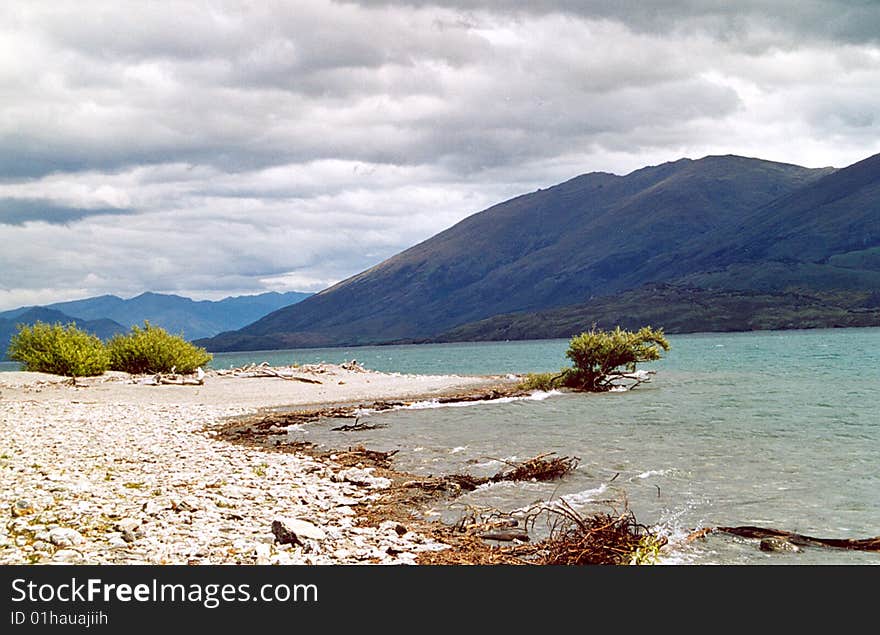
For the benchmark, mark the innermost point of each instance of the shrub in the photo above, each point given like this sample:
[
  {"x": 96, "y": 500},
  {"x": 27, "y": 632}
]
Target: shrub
[
  {"x": 599, "y": 355},
  {"x": 152, "y": 349},
  {"x": 62, "y": 350},
  {"x": 539, "y": 381}
]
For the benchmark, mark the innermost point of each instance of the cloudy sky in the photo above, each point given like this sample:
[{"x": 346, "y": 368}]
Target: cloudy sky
[{"x": 225, "y": 148}]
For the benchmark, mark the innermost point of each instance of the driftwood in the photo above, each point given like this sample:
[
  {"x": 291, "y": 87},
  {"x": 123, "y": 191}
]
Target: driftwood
[
  {"x": 539, "y": 468},
  {"x": 491, "y": 524},
  {"x": 800, "y": 540},
  {"x": 265, "y": 370},
  {"x": 357, "y": 426},
  {"x": 174, "y": 379},
  {"x": 484, "y": 395},
  {"x": 864, "y": 544},
  {"x": 506, "y": 535},
  {"x": 177, "y": 380},
  {"x": 359, "y": 455}
]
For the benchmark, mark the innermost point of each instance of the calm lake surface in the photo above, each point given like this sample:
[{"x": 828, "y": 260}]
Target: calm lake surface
[{"x": 779, "y": 429}]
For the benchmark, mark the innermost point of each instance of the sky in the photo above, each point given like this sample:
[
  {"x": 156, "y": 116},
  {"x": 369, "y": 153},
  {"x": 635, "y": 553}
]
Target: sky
[{"x": 227, "y": 148}]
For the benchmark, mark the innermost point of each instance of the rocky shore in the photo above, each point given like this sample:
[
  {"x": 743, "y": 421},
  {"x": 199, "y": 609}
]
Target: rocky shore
[{"x": 124, "y": 470}]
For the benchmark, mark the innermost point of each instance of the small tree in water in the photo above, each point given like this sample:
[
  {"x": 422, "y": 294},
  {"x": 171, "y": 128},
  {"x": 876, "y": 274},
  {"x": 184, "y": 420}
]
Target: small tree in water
[{"x": 602, "y": 357}]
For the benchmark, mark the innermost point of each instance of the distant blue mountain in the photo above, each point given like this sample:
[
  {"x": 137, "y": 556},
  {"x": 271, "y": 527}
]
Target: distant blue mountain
[{"x": 176, "y": 314}]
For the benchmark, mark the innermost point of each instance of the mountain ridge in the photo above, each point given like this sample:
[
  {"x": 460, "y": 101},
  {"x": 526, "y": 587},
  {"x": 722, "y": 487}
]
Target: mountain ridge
[
  {"x": 175, "y": 313},
  {"x": 594, "y": 235}
]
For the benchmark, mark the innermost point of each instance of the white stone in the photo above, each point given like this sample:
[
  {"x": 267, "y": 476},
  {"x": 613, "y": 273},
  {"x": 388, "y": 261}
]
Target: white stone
[
  {"x": 67, "y": 555},
  {"x": 65, "y": 537},
  {"x": 262, "y": 552},
  {"x": 128, "y": 524},
  {"x": 362, "y": 477},
  {"x": 302, "y": 528}
]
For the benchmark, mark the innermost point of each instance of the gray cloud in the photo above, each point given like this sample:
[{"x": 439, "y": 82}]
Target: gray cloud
[
  {"x": 226, "y": 148},
  {"x": 18, "y": 211},
  {"x": 856, "y": 21}
]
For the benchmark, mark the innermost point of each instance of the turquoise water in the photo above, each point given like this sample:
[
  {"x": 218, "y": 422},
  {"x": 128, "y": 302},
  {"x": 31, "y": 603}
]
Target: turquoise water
[
  {"x": 472, "y": 358},
  {"x": 777, "y": 429}
]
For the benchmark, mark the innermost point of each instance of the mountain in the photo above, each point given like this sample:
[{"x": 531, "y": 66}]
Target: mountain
[
  {"x": 103, "y": 328},
  {"x": 720, "y": 221},
  {"x": 808, "y": 259},
  {"x": 176, "y": 314}
]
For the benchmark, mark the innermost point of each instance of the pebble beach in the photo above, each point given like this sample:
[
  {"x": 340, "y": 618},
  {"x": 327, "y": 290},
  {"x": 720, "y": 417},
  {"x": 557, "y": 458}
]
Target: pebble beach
[{"x": 122, "y": 470}]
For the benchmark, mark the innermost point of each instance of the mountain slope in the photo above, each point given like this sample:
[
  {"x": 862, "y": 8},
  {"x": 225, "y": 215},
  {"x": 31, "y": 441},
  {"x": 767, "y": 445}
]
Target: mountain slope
[
  {"x": 594, "y": 235},
  {"x": 680, "y": 308},
  {"x": 808, "y": 259},
  {"x": 177, "y": 314},
  {"x": 823, "y": 236}
]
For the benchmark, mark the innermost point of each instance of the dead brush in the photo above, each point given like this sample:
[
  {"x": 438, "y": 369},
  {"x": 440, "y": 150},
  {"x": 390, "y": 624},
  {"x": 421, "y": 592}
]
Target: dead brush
[
  {"x": 538, "y": 468},
  {"x": 600, "y": 538}
]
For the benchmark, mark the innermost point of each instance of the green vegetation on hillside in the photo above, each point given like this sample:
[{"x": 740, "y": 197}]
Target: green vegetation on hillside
[{"x": 682, "y": 309}]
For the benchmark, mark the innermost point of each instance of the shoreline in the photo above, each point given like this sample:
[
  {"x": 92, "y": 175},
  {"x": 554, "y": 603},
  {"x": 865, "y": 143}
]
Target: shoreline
[{"x": 110, "y": 470}]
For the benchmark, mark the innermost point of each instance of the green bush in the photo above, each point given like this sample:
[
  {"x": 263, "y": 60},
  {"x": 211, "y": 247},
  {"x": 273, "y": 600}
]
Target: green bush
[
  {"x": 539, "y": 381},
  {"x": 62, "y": 350},
  {"x": 152, "y": 349},
  {"x": 599, "y": 356}
]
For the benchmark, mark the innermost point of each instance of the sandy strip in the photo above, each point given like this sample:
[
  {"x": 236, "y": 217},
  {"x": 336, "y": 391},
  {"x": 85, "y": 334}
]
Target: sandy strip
[{"x": 114, "y": 471}]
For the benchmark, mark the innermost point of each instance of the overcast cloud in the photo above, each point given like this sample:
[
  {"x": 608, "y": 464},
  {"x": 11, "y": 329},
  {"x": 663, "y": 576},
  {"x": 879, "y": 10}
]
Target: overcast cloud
[{"x": 221, "y": 148}]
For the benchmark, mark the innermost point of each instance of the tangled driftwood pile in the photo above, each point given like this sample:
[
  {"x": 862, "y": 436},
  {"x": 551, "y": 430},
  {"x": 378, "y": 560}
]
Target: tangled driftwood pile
[
  {"x": 575, "y": 539},
  {"x": 600, "y": 538}
]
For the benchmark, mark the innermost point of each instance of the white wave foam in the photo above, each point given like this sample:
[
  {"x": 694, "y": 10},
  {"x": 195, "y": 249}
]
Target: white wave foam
[
  {"x": 675, "y": 529},
  {"x": 457, "y": 449},
  {"x": 653, "y": 473},
  {"x": 495, "y": 462},
  {"x": 538, "y": 395},
  {"x": 585, "y": 496}
]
